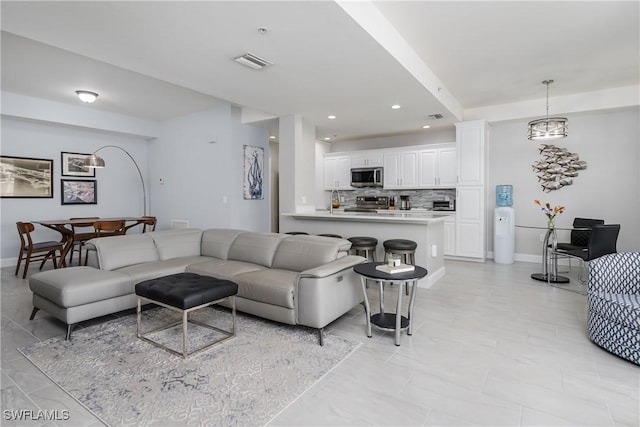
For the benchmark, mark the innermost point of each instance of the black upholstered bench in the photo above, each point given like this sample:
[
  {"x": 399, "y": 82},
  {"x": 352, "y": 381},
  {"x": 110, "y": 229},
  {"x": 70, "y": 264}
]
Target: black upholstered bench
[{"x": 186, "y": 292}]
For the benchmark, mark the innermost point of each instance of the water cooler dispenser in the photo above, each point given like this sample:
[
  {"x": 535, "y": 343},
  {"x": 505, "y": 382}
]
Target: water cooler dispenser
[{"x": 504, "y": 217}]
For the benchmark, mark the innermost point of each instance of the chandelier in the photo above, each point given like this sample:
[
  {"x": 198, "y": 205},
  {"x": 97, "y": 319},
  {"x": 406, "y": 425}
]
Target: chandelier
[{"x": 549, "y": 127}]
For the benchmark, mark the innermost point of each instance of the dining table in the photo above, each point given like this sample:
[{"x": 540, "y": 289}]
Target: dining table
[
  {"x": 549, "y": 274},
  {"x": 65, "y": 228}
]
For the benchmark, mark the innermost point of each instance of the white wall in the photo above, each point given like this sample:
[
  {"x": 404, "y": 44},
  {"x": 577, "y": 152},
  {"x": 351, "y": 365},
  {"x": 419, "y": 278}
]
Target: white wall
[
  {"x": 608, "y": 189},
  {"x": 199, "y": 160},
  {"x": 119, "y": 191},
  {"x": 198, "y": 173}
]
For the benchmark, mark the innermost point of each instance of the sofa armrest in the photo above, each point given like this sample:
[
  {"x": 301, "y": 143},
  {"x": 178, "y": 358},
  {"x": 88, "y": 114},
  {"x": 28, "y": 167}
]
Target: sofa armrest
[
  {"x": 325, "y": 293},
  {"x": 333, "y": 267}
]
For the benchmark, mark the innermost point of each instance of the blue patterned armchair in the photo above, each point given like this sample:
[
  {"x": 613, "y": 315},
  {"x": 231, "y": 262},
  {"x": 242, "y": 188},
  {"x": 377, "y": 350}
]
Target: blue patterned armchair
[{"x": 614, "y": 304}]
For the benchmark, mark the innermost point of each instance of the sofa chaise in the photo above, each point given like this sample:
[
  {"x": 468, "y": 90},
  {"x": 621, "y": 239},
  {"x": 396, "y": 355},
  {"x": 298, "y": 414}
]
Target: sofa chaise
[{"x": 293, "y": 279}]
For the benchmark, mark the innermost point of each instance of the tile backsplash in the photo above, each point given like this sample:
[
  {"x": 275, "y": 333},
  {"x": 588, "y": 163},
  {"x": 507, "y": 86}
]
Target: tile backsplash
[{"x": 419, "y": 198}]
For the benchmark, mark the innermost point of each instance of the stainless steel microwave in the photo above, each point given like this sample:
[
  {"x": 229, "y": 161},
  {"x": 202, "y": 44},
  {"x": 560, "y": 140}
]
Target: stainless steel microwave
[{"x": 367, "y": 177}]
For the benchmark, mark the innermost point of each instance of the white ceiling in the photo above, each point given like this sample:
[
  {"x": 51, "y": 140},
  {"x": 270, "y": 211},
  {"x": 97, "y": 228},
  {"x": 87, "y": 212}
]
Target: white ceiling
[{"x": 158, "y": 60}]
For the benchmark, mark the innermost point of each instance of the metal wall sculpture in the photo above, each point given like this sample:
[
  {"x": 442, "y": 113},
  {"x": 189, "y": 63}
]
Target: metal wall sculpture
[
  {"x": 253, "y": 172},
  {"x": 557, "y": 168}
]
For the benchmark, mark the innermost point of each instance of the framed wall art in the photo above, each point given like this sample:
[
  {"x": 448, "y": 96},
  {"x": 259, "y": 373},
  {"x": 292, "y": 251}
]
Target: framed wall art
[
  {"x": 77, "y": 192},
  {"x": 253, "y": 158},
  {"x": 26, "y": 177},
  {"x": 73, "y": 165}
]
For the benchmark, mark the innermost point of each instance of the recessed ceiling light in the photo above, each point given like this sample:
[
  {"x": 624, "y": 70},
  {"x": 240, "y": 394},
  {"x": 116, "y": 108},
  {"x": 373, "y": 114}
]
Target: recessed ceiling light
[
  {"x": 395, "y": 107},
  {"x": 86, "y": 96},
  {"x": 331, "y": 117},
  {"x": 326, "y": 138},
  {"x": 272, "y": 137},
  {"x": 426, "y": 127}
]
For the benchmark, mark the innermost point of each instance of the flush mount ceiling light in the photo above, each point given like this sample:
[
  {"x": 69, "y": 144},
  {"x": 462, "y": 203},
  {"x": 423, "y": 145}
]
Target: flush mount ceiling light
[
  {"x": 331, "y": 117},
  {"x": 86, "y": 96},
  {"x": 395, "y": 107},
  {"x": 252, "y": 61},
  {"x": 426, "y": 127},
  {"x": 549, "y": 127}
]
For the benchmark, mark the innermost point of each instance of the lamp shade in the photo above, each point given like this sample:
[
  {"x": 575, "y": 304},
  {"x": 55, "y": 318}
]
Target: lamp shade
[
  {"x": 548, "y": 128},
  {"x": 94, "y": 161}
]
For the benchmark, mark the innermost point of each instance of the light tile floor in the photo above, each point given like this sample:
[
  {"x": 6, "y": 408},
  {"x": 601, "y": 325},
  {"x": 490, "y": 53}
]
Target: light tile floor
[{"x": 490, "y": 347}]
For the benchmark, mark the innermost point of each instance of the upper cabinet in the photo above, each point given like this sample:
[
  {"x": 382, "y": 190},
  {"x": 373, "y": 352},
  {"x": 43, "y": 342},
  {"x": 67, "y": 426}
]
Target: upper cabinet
[
  {"x": 400, "y": 169},
  {"x": 337, "y": 172},
  {"x": 366, "y": 158},
  {"x": 437, "y": 168},
  {"x": 470, "y": 142}
]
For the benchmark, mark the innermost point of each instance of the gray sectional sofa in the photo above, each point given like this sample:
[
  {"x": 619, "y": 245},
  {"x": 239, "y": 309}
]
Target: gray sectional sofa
[{"x": 293, "y": 279}]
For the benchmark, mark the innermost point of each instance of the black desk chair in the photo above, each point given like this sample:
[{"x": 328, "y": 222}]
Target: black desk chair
[{"x": 603, "y": 241}]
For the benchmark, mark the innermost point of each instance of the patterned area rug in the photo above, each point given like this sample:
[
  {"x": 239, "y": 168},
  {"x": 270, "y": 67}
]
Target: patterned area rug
[{"x": 244, "y": 381}]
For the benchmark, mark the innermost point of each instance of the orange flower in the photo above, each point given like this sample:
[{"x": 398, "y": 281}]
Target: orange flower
[{"x": 550, "y": 212}]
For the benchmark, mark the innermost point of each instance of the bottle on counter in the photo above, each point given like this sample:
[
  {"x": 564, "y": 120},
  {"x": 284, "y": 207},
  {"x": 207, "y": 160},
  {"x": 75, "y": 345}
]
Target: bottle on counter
[{"x": 392, "y": 203}]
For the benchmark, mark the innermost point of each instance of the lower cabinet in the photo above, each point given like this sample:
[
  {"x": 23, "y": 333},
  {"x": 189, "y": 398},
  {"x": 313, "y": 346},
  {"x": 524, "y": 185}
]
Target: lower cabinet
[
  {"x": 470, "y": 229},
  {"x": 450, "y": 236}
]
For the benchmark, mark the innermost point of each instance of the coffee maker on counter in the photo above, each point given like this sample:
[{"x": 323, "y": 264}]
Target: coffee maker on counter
[{"x": 405, "y": 203}]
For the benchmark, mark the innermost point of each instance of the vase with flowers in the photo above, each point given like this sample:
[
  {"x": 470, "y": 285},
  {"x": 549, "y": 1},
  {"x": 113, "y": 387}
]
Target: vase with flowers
[{"x": 550, "y": 212}]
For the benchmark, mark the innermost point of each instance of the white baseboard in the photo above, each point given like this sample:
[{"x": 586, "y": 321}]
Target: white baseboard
[{"x": 432, "y": 278}]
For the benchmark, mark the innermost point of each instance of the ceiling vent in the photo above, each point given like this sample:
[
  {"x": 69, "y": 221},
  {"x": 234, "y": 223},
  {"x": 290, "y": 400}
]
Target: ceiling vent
[
  {"x": 437, "y": 116},
  {"x": 252, "y": 61}
]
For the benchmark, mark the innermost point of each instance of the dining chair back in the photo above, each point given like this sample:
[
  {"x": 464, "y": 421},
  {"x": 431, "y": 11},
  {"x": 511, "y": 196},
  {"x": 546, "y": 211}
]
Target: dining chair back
[
  {"x": 149, "y": 223},
  {"x": 81, "y": 235},
  {"x": 40, "y": 251},
  {"x": 106, "y": 228},
  {"x": 603, "y": 241},
  {"x": 580, "y": 234}
]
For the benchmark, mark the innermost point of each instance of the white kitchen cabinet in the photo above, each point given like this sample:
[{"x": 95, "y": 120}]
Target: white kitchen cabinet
[
  {"x": 450, "y": 236},
  {"x": 470, "y": 222},
  {"x": 437, "y": 168},
  {"x": 470, "y": 144},
  {"x": 400, "y": 169},
  {"x": 337, "y": 173},
  {"x": 366, "y": 158}
]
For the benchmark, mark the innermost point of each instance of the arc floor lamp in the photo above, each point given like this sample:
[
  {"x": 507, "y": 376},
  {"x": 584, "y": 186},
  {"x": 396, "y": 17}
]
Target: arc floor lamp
[{"x": 95, "y": 161}]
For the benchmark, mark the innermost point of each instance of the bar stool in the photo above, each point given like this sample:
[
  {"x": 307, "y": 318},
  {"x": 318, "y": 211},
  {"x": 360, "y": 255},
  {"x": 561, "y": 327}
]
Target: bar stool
[
  {"x": 366, "y": 245},
  {"x": 335, "y": 236},
  {"x": 405, "y": 248}
]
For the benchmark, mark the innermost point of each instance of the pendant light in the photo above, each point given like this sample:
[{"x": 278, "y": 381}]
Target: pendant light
[{"x": 549, "y": 127}]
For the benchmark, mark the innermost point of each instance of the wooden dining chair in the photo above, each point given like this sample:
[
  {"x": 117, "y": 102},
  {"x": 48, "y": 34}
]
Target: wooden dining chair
[
  {"x": 81, "y": 235},
  {"x": 147, "y": 221},
  {"x": 104, "y": 228},
  {"x": 42, "y": 250},
  {"x": 150, "y": 222}
]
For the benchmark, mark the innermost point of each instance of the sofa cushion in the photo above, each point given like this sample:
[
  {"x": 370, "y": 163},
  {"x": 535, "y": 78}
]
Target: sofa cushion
[
  {"x": 152, "y": 270},
  {"x": 73, "y": 286},
  {"x": 120, "y": 251},
  {"x": 256, "y": 248},
  {"x": 216, "y": 242},
  {"x": 300, "y": 252},
  {"x": 223, "y": 269},
  {"x": 177, "y": 243},
  {"x": 272, "y": 286}
]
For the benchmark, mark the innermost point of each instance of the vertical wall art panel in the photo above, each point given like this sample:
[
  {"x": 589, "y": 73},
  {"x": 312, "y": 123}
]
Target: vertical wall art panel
[
  {"x": 557, "y": 168},
  {"x": 253, "y": 172}
]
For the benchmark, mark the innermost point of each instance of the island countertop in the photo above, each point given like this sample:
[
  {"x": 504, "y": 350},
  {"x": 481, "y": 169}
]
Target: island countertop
[{"x": 406, "y": 217}]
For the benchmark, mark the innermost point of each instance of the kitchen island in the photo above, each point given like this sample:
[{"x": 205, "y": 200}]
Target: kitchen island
[{"x": 426, "y": 228}]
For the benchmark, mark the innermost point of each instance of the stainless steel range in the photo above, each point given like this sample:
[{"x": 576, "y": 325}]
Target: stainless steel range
[{"x": 369, "y": 204}]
